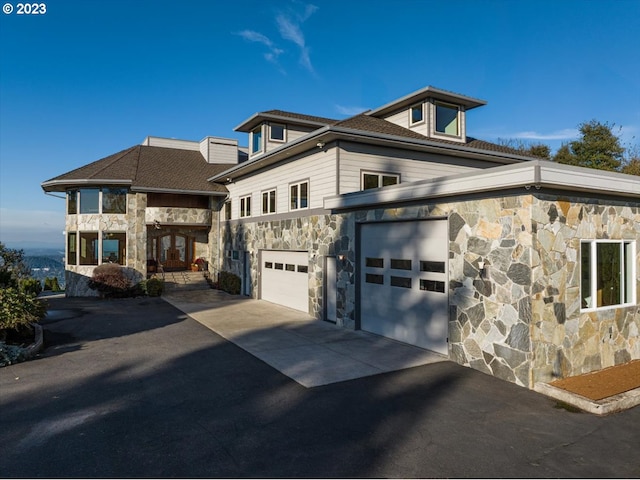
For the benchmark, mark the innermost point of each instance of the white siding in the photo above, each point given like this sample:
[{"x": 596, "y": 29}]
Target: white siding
[
  {"x": 171, "y": 143},
  {"x": 318, "y": 168},
  {"x": 292, "y": 132},
  {"x": 412, "y": 166},
  {"x": 219, "y": 150},
  {"x": 401, "y": 117}
]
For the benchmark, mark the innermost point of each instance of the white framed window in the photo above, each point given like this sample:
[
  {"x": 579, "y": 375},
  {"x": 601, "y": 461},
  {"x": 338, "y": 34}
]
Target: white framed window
[
  {"x": 269, "y": 201},
  {"x": 97, "y": 200},
  {"x": 416, "y": 114},
  {"x": 256, "y": 140},
  {"x": 447, "y": 119},
  {"x": 299, "y": 195},
  {"x": 371, "y": 180},
  {"x": 277, "y": 132},
  {"x": 245, "y": 206},
  {"x": 607, "y": 273},
  {"x": 227, "y": 210}
]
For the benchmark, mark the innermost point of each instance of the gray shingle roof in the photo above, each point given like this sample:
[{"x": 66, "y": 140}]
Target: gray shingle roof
[
  {"x": 367, "y": 123},
  {"x": 145, "y": 167},
  {"x": 300, "y": 116}
]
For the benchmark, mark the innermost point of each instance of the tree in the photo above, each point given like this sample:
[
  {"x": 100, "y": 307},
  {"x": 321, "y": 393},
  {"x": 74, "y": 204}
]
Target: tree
[
  {"x": 12, "y": 266},
  {"x": 631, "y": 165},
  {"x": 598, "y": 147},
  {"x": 538, "y": 150}
]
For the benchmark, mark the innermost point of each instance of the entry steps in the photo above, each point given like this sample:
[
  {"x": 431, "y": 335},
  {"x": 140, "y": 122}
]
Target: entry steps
[{"x": 185, "y": 280}]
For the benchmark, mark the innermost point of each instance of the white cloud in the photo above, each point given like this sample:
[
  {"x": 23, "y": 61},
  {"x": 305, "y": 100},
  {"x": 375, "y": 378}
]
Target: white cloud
[
  {"x": 273, "y": 53},
  {"x": 290, "y": 28},
  {"x": 344, "y": 110},
  {"x": 564, "y": 134}
]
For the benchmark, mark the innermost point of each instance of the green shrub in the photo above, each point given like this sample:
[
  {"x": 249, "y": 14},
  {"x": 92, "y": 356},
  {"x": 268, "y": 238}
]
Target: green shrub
[
  {"x": 52, "y": 284},
  {"x": 154, "y": 287},
  {"x": 110, "y": 280},
  {"x": 31, "y": 285},
  {"x": 10, "y": 354},
  {"x": 229, "y": 282},
  {"x": 18, "y": 309}
]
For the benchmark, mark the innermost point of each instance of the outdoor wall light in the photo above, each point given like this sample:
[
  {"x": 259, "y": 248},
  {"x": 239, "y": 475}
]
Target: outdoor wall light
[
  {"x": 320, "y": 145},
  {"x": 156, "y": 224},
  {"x": 342, "y": 258}
]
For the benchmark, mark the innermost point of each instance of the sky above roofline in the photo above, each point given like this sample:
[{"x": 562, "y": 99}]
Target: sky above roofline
[{"x": 88, "y": 79}]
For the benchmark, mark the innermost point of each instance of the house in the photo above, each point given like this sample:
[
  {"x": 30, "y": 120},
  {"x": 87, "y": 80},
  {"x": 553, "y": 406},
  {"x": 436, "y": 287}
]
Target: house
[{"x": 394, "y": 221}]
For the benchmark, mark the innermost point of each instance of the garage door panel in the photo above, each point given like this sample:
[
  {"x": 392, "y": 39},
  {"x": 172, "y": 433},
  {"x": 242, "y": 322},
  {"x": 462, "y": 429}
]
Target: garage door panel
[
  {"x": 284, "y": 278},
  {"x": 403, "y": 275}
]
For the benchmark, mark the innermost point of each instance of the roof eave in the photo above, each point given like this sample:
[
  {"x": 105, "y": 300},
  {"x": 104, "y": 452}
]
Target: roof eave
[
  {"x": 61, "y": 185},
  {"x": 177, "y": 191},
  {"x": 428, "y": 92},
  {"x": 536, "y": 174},
  {"x": 253, "y": 121}
]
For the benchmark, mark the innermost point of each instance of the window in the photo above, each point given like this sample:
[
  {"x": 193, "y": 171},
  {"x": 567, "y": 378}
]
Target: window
[
  {"x": 447, "y": 119},
  {"x": 88, "y": 248},
  {"x": 114, "y": 200},
  {"x": 96, "y": 200},
  {"x": 245, "y": 206},
  {"x": 416, "y": 114},
  {"x": 276, "y": 132},
  {"x": 377, "y": 180},
  {"x": 114, "y": 248},
  {"x": 269, "y": 202},
  {"x": 72, "y": 248},
  {"x": 89, "y": 200},
  {"x": 607, "y": 273},
  {"x": 72, "y": 202},
  {"x": 227, "y": 210},
  {"x": 256, "y": 140},
  {"x": 299, "y": 197}
]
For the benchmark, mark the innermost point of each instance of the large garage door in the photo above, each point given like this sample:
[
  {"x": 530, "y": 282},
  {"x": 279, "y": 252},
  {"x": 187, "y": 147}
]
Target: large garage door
[
  {"x": 403, "y": 282},
  {"x": 284, "y": 278}
]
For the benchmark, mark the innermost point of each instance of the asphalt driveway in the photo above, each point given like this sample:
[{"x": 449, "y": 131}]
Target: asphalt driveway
[{"x": 135, "y": 388}]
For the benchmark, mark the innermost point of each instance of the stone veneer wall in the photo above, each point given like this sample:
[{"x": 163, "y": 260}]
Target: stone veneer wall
[
  {"x": 315, "y": 234},
  {"x": 77, "y": 276},
  {"x": 507, "y": 320},
  {"x": 565, "y": 340}
]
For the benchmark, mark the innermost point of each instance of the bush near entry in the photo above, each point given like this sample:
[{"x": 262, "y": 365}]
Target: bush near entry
[{"x": 229, "y": 282}]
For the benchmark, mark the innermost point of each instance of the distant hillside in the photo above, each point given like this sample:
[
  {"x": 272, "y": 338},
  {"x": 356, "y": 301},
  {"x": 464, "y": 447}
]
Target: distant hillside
[{"x": 45, "y": 262}]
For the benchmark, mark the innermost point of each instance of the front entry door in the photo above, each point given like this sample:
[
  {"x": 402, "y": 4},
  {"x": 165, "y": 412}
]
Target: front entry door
[{"x": 173, "y": 251}]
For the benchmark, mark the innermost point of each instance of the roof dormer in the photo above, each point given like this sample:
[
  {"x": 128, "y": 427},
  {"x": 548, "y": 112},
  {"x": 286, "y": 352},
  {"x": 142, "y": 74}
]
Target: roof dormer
[
  {"x": 274, "y": 128},
  {"x": 431, "y": 112}
]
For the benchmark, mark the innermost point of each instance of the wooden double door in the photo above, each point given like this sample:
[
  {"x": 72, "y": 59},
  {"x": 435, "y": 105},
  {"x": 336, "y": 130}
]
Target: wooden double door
[{"x": 175, "y": 251}]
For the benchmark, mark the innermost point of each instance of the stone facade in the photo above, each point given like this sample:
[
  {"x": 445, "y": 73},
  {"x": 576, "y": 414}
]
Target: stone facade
[
  {"x": 514, "y": 281},
  {"x": 566, "y": 341},
  {"x": 135, "y": 223}
]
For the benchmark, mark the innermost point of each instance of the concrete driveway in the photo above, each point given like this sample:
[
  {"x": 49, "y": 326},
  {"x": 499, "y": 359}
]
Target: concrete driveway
[{"x": 136, "y": 388}]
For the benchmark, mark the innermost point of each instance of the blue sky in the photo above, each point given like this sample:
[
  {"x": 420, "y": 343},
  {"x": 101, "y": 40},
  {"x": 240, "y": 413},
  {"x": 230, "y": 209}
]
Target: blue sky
[{"x": 90, "y": 78}]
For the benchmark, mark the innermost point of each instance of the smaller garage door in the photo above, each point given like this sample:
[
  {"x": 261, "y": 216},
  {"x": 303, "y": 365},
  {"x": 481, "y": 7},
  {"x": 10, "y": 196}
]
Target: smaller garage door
[{"x": 284, "y": 278}]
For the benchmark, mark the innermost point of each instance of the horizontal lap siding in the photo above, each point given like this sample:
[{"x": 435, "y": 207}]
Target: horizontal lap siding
[
  {"x": 412, "y": 166},
  {"x": 319, "y": 169}
]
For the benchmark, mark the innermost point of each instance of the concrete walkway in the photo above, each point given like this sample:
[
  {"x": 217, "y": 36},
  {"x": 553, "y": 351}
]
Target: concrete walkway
[{"x": 309, "y": 351}]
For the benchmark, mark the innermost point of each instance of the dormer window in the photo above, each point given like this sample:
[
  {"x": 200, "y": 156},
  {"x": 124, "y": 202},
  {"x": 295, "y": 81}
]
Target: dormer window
[
  {"x": 276, "y": 132},
  {"x": 256, "y": 140},
  {"x": 447, "y": 119},
  {"x": 416, "y": 114}
]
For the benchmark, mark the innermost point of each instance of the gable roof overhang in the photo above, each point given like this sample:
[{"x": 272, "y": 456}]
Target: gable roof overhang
[
  {"x": 427, "y": 92},
  {"x": 535, "y": 174},
  {"x": 280, "y": 116},
  {"x": 332, "y": 133}
]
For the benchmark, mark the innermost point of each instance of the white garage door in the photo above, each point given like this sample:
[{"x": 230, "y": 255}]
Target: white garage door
[
  {"x": 403, "y": 282},
  {"x": 284, "y": 278}
]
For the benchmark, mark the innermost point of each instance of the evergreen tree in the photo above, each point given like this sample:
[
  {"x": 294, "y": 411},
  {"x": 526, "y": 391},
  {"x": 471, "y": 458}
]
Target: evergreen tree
[{"x": 598, "y": 147}]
